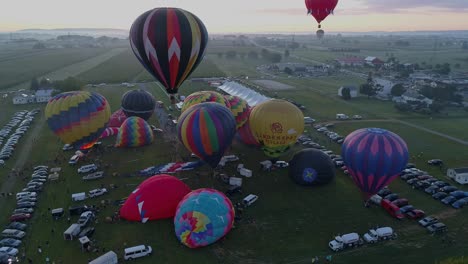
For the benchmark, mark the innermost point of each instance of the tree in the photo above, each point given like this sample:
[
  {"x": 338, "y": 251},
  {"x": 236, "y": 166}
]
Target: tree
[
  {"x": 398, "y": 89},
  {"x": 427, "y": 91},
  {"x": 436, "y": 106},
  {"x": 346, "y": 93},
  {"x": 274, "y": 57},
  {"x": 403, "y": 107},
  {"x": 69, "y": 84},
  {"x": 44, "y": 82},
  {"x": 34, "y": 85},
  {"x": 265, "y": 53},
  {"x": 367, "y": 89},
  {"x": 288, "y": 71},
  {"x": 286, "y": 53}
]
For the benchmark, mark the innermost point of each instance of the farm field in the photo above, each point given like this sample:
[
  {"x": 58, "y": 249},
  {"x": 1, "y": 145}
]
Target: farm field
[{"x": 288, "y": 224}]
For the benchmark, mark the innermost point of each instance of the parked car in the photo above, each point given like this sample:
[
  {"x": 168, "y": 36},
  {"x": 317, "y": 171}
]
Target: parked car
[
  {"x": 448, "y": 189},
  {"x": 10, "y": 251},
  {"x": 17, "y": 225},
  {"x": 10, "y": 242},
  {"x": 407, "y": 208},
  {"x": 392, "y": 209},
  {"x": 431, "y": 189},
  {"x": 97, "y": 192},
  {"x": 440, "y": 184},
  {"x": 436, "y": 162},
  {"x": 26, "y": 205},
  {"x": 88, "y": 231},
  {"x": 87, "y": 168},
  {"x": 437, "y": 228},
  {"x": 233, "y": 190},
  {"x": 408, "y": 176},
  {"x": 460, "y": 203},
  {"x": 391, "y": 197},
  {"x": 13, "y": 233},
  {"x": 383, "y": 192},
  {"x": 400, "y": 202},
  {"x": 439, "y": 195},
  {"x": 428, "y": 220},
  {"x": 77, "y": 210},
  {"x": 85, "y": 218},
  {"x": 23, "y": 211},
  {"x": 448, "y": 200},
  {"x": 19, "y": 217},
  {"x": 415, "y": 214},
  {"x": 357, "y": 117},
  {"x": 459, "y": 194}
]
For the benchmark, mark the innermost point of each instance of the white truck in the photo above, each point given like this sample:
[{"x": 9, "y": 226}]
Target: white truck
[
  {"x": 383, "y": 233},
  {"x": 345, "y": 241}
]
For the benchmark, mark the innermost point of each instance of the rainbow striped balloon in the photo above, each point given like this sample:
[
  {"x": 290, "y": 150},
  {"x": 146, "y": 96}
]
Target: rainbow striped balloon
[
  {"x": 374, "y": 157},
  {"x": 203, "y": 217},
  {"x": 134, "y": 132},
  {"x": 207, "y": 130},
  {"x": 203, "y": 97},
  {"x": 239, "y": 108},
  {"x": 78, "y": 118}
]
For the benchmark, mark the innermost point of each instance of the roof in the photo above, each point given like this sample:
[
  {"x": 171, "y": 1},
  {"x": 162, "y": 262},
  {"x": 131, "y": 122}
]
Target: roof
[
  {"x": 461, "y": 170},
  {"x": 44, "y": 93},
  {"x": 370, "y": 58},
  {"x": 351, "y": 60}
]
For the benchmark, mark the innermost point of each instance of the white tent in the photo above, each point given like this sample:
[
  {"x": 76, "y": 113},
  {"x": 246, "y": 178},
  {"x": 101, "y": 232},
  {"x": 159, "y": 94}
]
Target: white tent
[{"x": 252, "y": 97}]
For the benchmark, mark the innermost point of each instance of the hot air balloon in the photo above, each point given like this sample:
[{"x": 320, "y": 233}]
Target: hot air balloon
[
  {"x": 109, "y": 131},
  {"x": 138, "y": 103},
  {"x": 134, "y": 132},
  {"x": 203, "y": 97},
  {"x": 78, "y": 118},
  {"x": 244, "y": 133},
  {"x": 203, "y": 217},
  {"x": 117, "y": 119},
  {"x": 239, "y": 108},
  {"x": 374, "y": 157},
  {"x": 170, "y": 44},
  {"x": 155, "y": 198},
  {"x": 276, "y": 124},
  {"x": 320, "y": 9},
  {"x": 207, "y": 130},
  {"x": 311, "y": 167}
]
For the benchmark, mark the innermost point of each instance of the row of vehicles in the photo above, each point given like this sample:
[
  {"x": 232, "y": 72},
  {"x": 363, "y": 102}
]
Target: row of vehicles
[
  {"x": 439, "y": 190},
  {"x": 350, "y": 240},
  {"x": 330, "y": 134},
  {"x": 307, "y": 142}
]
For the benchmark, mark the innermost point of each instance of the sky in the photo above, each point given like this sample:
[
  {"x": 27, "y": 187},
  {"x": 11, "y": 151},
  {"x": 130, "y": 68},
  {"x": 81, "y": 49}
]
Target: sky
[{"x": 236, "y": 16}]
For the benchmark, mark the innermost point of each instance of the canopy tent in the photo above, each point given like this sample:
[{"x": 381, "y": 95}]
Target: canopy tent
[{"x": 252, "y": 97}]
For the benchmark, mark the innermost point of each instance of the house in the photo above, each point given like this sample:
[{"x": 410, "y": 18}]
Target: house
[
  {"x": 43, "y": 95},
  {"x": 385, "y": 85},
  {"x": 413, "y": 96},
  {"x": 351, "y": 61},
  {"x": 373, "y": 61},
  {"x": 459, "y": 175},
  {"x": 23, "y": 99},
  {"x": 353, "y": 90}
]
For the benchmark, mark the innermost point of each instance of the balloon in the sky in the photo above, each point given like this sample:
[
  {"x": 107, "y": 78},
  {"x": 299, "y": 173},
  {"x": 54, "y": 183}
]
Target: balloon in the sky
[
  {"x": 207, "y": 130},
  {"x": 374, "y": 157},
  {"x": 204, "y": 97},
  {"x": 239, "y": 108},
  {"x": 134, "y": 132},
  {"x": 109, "y": 131},
  {"x": 276, "y": 124},
  {"x": 311, "y": 167},
  {"x": 78, "y": 118},
  {"x": 155, "y": 198},
  {"x": 203, "y": 217},
  {"x": 320, "y": 9},
  {"x": 169, "y": 43},
  {"x": 117, "y": 119},
  {"x": 138, "y": 103}
]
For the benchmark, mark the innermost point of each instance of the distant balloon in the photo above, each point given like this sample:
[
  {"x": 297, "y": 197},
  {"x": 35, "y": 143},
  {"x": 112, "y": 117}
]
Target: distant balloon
[
  {"x": 138, "y": 103},
  {"x": 203, "y": 217},
  {"x": 320, "y": 9},
  {"x": 276, "y": 124},
  {"x": 155, "y": 198},
  {"x": 239, "y": 108},
  {"x": 117, "y": 119},
  {"x": 374, "y": 157},
  {"x": 311, "y": 167},
  {"x": 320, "y": 33},
  {"x": 170, "y": 43},
  {"x": 204, "y": 97},
  {"x": 78, "y": 118},
  {"x": 134, "y": 132},
  {"x": 207, "y": 130}
]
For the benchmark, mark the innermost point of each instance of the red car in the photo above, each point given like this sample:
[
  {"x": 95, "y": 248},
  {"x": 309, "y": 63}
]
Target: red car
[
  {"x": 400, "y": 202},
  {"x": 415, "y": 214},
  {"x": 19, "y": 217},
  {"x": 392, "y": 209}
]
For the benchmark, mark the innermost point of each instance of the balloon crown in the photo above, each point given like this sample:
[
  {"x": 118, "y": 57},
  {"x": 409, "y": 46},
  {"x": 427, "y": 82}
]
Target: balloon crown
[{"x": 377, "y": 130}]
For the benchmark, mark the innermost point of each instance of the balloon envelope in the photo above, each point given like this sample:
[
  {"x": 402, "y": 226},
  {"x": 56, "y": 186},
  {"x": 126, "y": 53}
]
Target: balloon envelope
[
  {"x": 78, "y": 118},
  {"x": 320, "y": 9},
  {"x": 117, "y": 118},
  {"x": 138, "y": 103},
  {"x": 204, "y": 97},
  {"x": 155, "y": 198},
  {"x": 374, "y": 157},
  {"x": 203, "y": 217},
  {"x": 244, "y": 133},
  {"x": 109, "y": 131},
  {"x": 276, "y": 124},
  {"x": 207, "y": 130},
  {"x": 311, "y": 167},
  {"x": 239, "y": 108},
  {"x": 169, "y": 43},
  {"x": 134, "y": 132}
]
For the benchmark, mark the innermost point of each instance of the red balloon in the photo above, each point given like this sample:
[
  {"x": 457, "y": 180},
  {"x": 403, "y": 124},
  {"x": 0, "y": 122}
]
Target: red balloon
[
  {"x": 320, "y": 9},
  {"x": 155, "y": 198},
  {"x": 117, "y": 118}
]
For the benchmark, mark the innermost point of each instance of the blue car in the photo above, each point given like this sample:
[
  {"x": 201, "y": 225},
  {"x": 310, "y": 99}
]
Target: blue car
[
  {"x": 448, "y": 200},
  {"x": 459, "y": 194},
  {"x": 460, "y": 203},
  {"x": 406, "y": 208}
]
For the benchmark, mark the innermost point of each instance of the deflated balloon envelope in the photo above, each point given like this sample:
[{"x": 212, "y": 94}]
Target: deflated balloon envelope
[{"x": 311, "y": 167}]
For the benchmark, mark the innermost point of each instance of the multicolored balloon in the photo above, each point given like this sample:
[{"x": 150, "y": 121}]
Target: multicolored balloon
[
  {"x": 117, "y": 118},
  {"x": 155, "y": 198},
  {"x": 244, "y": 133},
  {"x": 109, "y": 131},
  {"x": 134, "y": 132},
  {"x": 170, "y": 44},
  {"x": 276, "y": 124},
  {"x": 239, "y": 108},
  {"x": 204, "y": 97},
  {"x": 207, "y": 130},
  {"x": 374, "y": 157},
  {"x": 203, "y": 217},
  {"x": 311, "y": 167},
  {"x": 78, "y": 118},
  {"x": 138, "y": 103}
]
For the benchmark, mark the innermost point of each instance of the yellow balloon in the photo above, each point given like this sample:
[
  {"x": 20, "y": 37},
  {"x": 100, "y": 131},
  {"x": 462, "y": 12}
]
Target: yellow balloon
[{"x": 276, "y": 124}]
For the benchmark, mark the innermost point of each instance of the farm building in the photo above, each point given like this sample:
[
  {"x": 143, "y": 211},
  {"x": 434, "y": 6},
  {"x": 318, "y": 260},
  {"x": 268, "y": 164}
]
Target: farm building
[
  {"x": 353, "y": 90},
  {"x": 43, "y": 96},
  {"x": 352, "y": 61},
  {"x": 459, "y": 175},
  {"x": 23, "y": 99},
  {"x": 373, "y": 61}
]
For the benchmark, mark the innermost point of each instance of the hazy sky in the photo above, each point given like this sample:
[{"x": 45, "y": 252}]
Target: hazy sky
[{"x": 241, "y": 15}]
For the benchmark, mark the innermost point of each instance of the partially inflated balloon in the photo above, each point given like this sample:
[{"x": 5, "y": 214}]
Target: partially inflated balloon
[
  {"x": 244, "y": 133},
  {"x": 134, "y": 132},
  {"x": 117, "y": 118},
  {"x": 109, "y": 131},
  {"x": 374, "y": 157},
  {"x": 207, "y": 130},
  {"x": 276, "y": 124},
  {"x": 311, "y": 167},
  {"x": 78, "y": 118},
  {"x": 155, "y": 198},
  {"x": 203, "y": 217},
  {"x": 138, "y": 103},
  {"x": 169, "y": 43},
  {"x": 239, "y": 108},
  {"x": 204, "y": 97}
]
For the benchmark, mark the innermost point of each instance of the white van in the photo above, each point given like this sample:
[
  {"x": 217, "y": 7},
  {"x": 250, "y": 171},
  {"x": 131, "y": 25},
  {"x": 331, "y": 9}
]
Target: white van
[
  {"x": 72, "y": 232},
  {"x": 78, "y": 196},
  {"x": 250, "y": 199},
  {"x": 342, "y": 117},
  {"x": 137, "y": 252},
  {"x": 108, "y": 258}
]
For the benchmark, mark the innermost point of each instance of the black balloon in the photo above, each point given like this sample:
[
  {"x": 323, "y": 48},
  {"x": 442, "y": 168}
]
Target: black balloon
[
  {"x": 138, "y": 103},
  {"x": 311, "y": 167}
]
